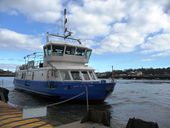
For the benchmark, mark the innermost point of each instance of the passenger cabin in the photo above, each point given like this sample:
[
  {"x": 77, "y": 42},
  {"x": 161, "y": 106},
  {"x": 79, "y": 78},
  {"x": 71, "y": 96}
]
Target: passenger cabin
[
  {"x": 60, "y": 53},
  {"x": 62, "y": 61}
]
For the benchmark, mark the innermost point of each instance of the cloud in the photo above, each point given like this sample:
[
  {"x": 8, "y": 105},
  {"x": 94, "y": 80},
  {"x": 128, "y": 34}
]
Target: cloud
[
  {"x": 158, "y": 45},
  {"x": 7, "y": 66},
  {"x": 120, "y": 26},
  {"x": 120, "y": 40},
  {"x": 93, "y": 18},
  {"x": 13, "y": 40},
  {"x": 115, "y": 26},
  {"x": 46, "y": 11}
]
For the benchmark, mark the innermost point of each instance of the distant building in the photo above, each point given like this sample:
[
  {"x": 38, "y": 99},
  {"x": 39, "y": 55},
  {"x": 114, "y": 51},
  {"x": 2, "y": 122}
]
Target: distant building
[
  {"x": 139, "y": 73},
  {"x": 135, "y": 73}
]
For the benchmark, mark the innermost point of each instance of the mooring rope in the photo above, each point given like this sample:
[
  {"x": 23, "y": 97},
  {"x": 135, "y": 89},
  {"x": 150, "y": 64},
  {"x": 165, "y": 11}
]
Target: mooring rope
[{"x": 49, "y": 105}]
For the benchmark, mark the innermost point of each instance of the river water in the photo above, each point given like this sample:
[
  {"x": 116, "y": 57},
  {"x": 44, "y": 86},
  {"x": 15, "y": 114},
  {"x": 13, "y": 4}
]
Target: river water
[{"x": 145, "y": 99}]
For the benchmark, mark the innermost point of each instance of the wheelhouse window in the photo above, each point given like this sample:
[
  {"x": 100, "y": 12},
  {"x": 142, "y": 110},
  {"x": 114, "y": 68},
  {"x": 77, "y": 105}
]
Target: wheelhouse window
[
  {"x": 80, "y": 52},
  {"x": 45, "y": 51},
  {"x": 70, "y": 50},
  {"x": 65, "y": 75},
  {"x": 88, "y": 53},
  {"x": 92, "y": 75},
  {"x": 76, "y": 75},
  {"x": 85, "y": 75},
  {"x": 48, "y": 50},
  {"x": 58, "y": 50}
]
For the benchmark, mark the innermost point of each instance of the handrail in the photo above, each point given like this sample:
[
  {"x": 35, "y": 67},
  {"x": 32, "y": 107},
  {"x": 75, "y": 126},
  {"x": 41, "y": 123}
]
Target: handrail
[{"x": 52, "y": 65}]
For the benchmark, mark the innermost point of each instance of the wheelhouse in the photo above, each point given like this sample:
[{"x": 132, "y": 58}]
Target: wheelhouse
[{"x": 64, "y": 51}]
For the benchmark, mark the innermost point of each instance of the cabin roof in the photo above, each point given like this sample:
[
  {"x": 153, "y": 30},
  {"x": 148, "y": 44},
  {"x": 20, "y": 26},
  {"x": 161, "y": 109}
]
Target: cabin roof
[
  {"x": 63, "y": 68},
  {"x": 65, "y": 44}
]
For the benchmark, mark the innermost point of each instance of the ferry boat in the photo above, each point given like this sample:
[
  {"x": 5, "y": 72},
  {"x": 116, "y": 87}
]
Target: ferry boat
[{"x": 61, "y": 71}]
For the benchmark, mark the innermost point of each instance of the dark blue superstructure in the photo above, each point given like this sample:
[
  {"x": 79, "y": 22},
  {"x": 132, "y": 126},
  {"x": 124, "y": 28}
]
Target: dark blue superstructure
[{"x": 97, "y": 90}]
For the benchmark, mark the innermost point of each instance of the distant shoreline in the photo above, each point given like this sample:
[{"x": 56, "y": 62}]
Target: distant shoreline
[
  {"x": 139, "y": 77},
  {"x": 7, "y": 75}
]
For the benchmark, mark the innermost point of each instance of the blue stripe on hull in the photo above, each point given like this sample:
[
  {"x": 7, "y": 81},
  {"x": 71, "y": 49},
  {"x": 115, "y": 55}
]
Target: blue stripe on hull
[{"x": 64, "y": 90}]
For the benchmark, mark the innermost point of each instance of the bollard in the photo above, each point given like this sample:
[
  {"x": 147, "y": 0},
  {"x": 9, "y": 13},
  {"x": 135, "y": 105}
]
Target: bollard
[
  {"x": 4, "y": 94},
  {"x": 97, "y": 116},
  {"x": 138, "y": 123}
]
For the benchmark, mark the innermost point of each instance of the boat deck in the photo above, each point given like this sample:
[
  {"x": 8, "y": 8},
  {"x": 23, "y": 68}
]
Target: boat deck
[{"x": 11, "y": 117}]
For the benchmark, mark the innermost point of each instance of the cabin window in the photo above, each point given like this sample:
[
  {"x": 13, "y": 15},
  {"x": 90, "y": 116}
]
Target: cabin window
[
  {"x": 88, "y": 53},
  {"x": 92, "y": 75},
  {"x": 65, "y": 75},
  {"x": 80, "y": 52},
  {"x": 76, "y": 75},
  {"x": 54, "y": 73},
  {"x": 58, "y": 50},
  {"x": 23, "y": 75},
  {"x": 32, "y": 75},
  {"x": 70, "y": 50},
  {"x": 49, "y": 51},
  {"x": 85, "y": 75}
]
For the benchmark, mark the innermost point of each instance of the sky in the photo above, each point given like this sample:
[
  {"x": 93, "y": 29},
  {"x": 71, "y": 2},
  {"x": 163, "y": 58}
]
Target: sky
[{"x": 122, "y": 33}]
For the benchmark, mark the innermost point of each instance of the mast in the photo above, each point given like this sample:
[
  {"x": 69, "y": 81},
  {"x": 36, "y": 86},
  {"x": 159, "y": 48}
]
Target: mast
[
  {"x": 66, "y": 32},
  {"x": 65, "y": 21}
]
